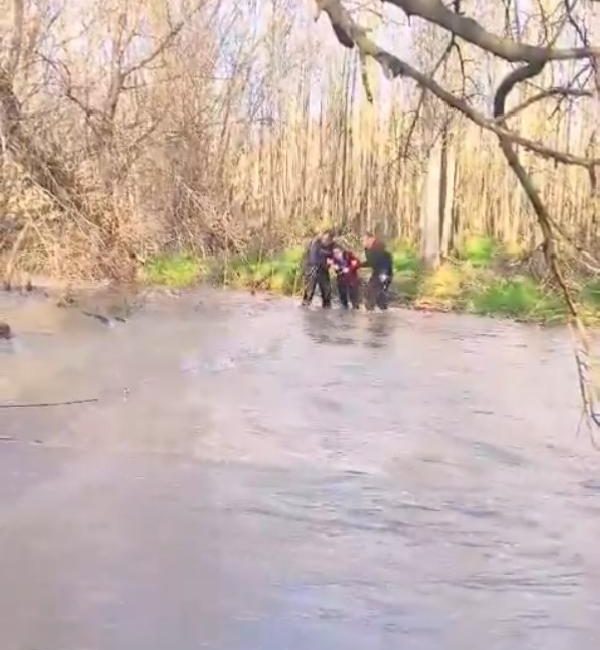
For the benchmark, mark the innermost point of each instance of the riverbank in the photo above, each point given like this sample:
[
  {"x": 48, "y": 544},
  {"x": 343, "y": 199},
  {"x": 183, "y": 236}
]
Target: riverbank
[{"x": 485, "y": 279}]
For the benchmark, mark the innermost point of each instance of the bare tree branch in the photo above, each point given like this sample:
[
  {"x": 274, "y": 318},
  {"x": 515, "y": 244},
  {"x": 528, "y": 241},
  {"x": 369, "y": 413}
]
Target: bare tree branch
[
  {"x": 588, "y": 389},
  {"x": 417, "y": 113},
  {"x": 434, "y": 11},
  {"x": 510, "y": 81},
  {"x": 162, "y": 46},
  {"x": 393, "y": 67},
  {"x": 557, "y": 91}
]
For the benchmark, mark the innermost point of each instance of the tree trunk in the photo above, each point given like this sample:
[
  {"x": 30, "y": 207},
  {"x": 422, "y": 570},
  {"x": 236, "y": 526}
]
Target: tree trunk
[
  {"x": 10, "y": 113},
  {"x": 430, "y": 208},
  {"x": 447, "y": 183}
]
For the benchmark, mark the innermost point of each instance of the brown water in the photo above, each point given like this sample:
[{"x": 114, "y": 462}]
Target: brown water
[{"x": 255, "y": 476}]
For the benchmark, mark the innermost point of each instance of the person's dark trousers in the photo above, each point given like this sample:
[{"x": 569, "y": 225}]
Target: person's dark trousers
[
  {"x": 317, "y": 277},
  {"x": 376, "y": 294},
  {"x": 348, "y": 293}
]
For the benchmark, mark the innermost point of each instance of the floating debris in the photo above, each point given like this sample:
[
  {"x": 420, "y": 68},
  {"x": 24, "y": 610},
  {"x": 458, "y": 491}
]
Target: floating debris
[
  {"x": 103, "y": 319},
  {"x": 5, "y": 332}
]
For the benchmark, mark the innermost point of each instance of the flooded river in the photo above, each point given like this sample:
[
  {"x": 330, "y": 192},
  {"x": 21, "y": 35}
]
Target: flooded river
[{"x": 255, "y": 476}]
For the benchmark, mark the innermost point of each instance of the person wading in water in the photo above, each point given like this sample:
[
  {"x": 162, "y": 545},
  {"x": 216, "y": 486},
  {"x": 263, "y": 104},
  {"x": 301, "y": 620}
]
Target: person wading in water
[
  {"x": 346, "y": 265},
  {"x": 379, "y": 260},
  {"x": 316, "y": 269}
]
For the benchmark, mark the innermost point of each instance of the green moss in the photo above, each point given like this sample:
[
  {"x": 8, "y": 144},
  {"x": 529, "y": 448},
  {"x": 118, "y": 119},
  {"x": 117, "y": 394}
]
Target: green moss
[
  {"x": 179, "y": 270},
  {"x": 292, "y": 256},
  {"x": 281, "y": 273},
  {"x": 516, "y": 298},
  {"x": 405, "y": 258},
  {"x": 591, "y": 294},
  {"x": 286, "y": 272},
  {"x": 479, "y": 251}
]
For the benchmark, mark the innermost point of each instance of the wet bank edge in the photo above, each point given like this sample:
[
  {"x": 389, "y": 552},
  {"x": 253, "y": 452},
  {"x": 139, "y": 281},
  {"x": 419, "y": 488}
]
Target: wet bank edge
[{"x": 110, "y": 303}]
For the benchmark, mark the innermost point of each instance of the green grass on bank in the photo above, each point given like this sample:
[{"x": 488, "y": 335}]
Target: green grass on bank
[
  {"x": 479, "y": 251},
  {"x": 177, "y": 271},
  {"x": 473, "y": 283},
  {"x": 591, "y": 294},
  {"x": 406, "y": 258},
  {"x": 517, "y": 298},
  {"x": 280, "y": 273}
]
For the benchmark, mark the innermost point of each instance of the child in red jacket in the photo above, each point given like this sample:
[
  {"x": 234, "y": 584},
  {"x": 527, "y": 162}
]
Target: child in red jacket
[{"x": 346, "y": 265}]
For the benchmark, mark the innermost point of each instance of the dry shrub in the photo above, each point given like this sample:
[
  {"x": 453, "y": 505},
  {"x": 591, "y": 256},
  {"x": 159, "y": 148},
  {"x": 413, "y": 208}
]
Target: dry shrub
[
  {"x": 60, "y": 240},
  {"x": 217, "y": 143}
]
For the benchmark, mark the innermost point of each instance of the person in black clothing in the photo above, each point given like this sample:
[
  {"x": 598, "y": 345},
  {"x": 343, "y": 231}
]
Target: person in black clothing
[
  {"x": 316, "y": 269},
  {"x": 379, "y": 260}
]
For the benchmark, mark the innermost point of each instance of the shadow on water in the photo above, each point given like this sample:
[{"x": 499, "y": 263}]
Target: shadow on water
[
  {"x": 380, "y": 326},
  {"x": 343, "y": 328},
  {"x": 329, "y": 326}
]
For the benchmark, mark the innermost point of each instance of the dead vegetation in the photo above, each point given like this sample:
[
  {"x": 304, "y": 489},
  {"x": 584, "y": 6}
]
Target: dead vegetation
[{"x": 132, "y": 128}]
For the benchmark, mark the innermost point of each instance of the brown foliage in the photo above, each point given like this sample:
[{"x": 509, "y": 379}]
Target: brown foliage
[{"x": 128, "y": 129}]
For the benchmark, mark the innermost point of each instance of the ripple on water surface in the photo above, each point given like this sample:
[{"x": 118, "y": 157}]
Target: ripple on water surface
[{"x": 261, "y": 476}]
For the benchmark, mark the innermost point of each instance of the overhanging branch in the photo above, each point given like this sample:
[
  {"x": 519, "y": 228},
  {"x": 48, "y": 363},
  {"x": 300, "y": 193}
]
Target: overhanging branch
[
  {"x": 504, "y": 89},
  {"x": 556, "y": 91},
  {"x": 392, "y": 66},
  {"x": 434, "y": 11}
]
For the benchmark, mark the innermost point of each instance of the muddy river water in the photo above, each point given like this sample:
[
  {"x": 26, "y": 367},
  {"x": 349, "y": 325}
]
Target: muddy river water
[{"x": 255, "y": 476}]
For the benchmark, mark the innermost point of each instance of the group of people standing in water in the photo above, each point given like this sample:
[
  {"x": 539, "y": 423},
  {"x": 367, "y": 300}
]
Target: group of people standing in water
[{"x": 324, "y": 255}]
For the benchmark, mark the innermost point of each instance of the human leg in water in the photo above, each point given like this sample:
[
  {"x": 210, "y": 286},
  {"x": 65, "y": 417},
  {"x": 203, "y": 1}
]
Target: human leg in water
[
  {"x": 349, "y": 293},
  {"x": 324, "y": 282},
  {"x": 377, "y": 293},
  {"x": 382, "y": 297},
  {"x": 343, "y": 292},
  {"x": 372, "y": 292},
  {"x": 310, "y": 285},
  {"x": 354, "y": 295}
]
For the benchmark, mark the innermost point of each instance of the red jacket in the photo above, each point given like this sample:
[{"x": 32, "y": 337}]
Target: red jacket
[{"x": 346, "y": 268}]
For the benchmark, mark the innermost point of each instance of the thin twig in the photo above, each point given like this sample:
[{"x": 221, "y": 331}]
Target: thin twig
[{"x": 48, "y": 404}]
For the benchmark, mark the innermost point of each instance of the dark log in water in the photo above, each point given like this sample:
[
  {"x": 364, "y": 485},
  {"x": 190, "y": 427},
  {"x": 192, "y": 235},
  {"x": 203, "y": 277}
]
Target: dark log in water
[{"x": 5, "y": 332}]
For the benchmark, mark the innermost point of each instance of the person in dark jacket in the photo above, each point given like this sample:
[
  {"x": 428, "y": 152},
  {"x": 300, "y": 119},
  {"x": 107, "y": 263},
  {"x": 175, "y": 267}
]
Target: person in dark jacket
[
  {"x": 316, "y": 269},
  {"x": 379, "y": 260},
  {"x": 346, "y": 265}
]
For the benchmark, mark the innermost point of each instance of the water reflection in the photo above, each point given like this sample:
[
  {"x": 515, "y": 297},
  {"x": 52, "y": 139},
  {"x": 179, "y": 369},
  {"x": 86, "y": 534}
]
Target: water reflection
[
  {"x": 379, "y": 328},
  {"x": 345, "y": 328},
  {"x": 330, "y": 327}
]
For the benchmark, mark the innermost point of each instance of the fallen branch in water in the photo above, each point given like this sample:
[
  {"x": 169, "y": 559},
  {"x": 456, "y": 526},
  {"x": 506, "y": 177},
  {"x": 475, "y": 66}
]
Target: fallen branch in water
[
  {"x": 589, "y": 387},
  {"x": 47, "y": 404}
]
